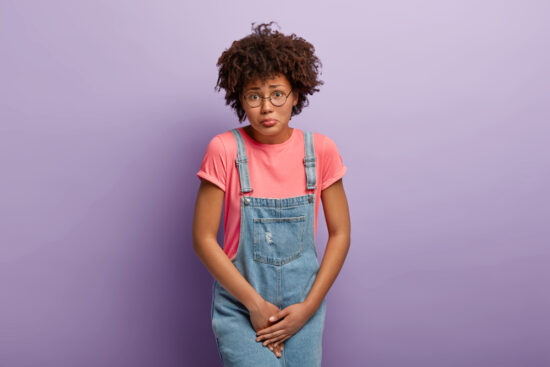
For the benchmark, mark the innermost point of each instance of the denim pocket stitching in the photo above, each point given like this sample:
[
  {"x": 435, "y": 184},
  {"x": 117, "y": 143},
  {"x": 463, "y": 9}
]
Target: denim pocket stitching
[{"x": 263, "y": 257}]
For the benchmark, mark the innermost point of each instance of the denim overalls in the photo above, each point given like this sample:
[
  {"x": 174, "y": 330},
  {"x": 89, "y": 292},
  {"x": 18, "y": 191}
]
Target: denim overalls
[{"x": 277, "y": 255}]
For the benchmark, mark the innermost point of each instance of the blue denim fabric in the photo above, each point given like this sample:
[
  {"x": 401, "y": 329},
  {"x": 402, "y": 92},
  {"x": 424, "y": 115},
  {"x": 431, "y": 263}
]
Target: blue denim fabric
[{"x": 277, "y": 255}]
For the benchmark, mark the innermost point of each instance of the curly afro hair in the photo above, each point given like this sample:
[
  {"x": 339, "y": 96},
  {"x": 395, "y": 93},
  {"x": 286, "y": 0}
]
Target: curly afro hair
[{"x": 262, "y": 55}]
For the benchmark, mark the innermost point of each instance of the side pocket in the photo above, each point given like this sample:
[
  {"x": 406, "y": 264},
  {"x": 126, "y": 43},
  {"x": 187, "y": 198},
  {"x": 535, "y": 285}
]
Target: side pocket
[{"x": 278, "y": 241}]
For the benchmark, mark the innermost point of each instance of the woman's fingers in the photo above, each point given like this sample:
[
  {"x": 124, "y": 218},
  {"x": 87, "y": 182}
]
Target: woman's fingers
[
  {"x": 275, "y": 339},
  {"x": 280, "y": 342},
  {"x": 270, "y": 335},
  {"x": 278, "y": 350},
  {"x": 270, "y": 329}
]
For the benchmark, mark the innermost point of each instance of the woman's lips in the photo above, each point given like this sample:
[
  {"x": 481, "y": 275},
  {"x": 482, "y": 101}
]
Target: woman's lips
[{"x": 268, "y": 123}]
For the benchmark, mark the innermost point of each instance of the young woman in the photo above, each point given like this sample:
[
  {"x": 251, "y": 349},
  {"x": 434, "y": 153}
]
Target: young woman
[{"x": 268, "y": 298}]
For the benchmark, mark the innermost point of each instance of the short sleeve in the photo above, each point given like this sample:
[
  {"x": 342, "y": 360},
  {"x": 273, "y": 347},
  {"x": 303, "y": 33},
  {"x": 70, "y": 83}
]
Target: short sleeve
[
  {"x": 213, "y": 167},
  {"x": 332, "y": 166}
]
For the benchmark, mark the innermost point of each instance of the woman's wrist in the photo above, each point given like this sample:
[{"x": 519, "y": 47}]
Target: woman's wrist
[
  {"x": 311, "y": 305},
  {"x": 253, "y": 302}
]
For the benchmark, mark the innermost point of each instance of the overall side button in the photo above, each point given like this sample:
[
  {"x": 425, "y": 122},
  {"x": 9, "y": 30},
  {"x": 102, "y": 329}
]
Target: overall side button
[{"x": 246, "y": 201}]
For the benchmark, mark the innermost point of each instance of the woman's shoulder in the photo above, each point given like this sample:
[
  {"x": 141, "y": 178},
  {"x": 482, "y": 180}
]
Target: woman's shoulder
[
  {"x": 223, "y": 143},
  {"x": 318, "y": 138},
  {"x": 323, "y": 144}
]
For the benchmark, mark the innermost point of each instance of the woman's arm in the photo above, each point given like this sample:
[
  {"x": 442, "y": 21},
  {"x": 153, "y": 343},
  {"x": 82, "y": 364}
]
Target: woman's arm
[
  {"x": 335, "y": 206},
  {"x": 336, "y": 210},
  {"x": 208, "y": 208}
]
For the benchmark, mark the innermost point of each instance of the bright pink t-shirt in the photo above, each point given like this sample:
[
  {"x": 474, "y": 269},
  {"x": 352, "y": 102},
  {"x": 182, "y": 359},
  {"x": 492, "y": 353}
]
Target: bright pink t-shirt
[{"x": 275, "y": 170}]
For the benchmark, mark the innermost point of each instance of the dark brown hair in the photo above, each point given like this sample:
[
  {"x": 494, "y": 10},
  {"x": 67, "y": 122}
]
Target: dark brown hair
[{"x": 262, "y": 55}]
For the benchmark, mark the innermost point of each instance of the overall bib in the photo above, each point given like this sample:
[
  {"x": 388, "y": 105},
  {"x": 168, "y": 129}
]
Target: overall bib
[{"x": 277, "y": 255}]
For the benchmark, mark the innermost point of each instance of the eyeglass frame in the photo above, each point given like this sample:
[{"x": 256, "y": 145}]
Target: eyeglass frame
[{"x": 270, "y": 101}]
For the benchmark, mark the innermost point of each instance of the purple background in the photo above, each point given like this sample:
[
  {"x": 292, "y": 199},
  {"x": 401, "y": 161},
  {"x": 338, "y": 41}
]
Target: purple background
[{"x": 440, "y": 110}]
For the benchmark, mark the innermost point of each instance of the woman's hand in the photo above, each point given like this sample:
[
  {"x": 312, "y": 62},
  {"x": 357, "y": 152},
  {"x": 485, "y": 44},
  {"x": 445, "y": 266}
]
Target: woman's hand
[
  {"x": 292, "y": 318},
  {"x": 259, "y": 315}
]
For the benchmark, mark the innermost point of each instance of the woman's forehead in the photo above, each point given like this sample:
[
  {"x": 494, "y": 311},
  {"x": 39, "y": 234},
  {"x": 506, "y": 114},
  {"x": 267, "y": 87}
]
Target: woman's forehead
[{"x": 277, "y": 80}]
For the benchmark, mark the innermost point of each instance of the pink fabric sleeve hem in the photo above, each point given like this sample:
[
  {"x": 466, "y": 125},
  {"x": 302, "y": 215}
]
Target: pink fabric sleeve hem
[
  {"x": 335, "y": 178},
  {"x": 212, "y": 179}
]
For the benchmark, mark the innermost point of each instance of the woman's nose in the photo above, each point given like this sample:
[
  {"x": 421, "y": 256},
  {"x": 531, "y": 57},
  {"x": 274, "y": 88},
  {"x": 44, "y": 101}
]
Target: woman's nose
[{"x": 266, "y": 105}]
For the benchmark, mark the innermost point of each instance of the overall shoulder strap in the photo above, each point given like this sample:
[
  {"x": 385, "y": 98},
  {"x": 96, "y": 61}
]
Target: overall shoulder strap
[
  {"x": 242, "y": 162},
  {"x": 309, "y": 161}
]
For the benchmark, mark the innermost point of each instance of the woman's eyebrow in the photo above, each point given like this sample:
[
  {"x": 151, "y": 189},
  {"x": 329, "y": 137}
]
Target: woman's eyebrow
[{"x": 271, "y": 86}]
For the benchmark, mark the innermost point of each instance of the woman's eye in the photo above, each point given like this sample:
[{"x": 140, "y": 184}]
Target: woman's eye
[
  {"x": 252, "y": 97},
  {"x": 277, "y": 94}
]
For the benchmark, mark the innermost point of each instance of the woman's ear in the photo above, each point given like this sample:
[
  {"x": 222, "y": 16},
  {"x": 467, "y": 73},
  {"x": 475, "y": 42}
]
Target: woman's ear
[{"x": 295, "y": 101}]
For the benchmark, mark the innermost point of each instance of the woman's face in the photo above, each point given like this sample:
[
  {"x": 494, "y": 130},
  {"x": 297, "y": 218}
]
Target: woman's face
[{"x": 269, "y": 123}]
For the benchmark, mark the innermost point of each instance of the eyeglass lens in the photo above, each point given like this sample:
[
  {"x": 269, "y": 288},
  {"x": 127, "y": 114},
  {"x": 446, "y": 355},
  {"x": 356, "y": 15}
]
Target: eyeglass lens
[{"x": 278, "y": 98}]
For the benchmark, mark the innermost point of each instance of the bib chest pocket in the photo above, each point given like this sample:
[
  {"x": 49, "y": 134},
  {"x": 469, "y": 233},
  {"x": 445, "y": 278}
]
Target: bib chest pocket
[{"x": 278, "y": 241}]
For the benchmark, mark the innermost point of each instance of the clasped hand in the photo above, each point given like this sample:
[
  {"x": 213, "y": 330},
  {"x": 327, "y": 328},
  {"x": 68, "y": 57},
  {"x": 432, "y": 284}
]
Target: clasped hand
[{"x": 280, "y": 325}]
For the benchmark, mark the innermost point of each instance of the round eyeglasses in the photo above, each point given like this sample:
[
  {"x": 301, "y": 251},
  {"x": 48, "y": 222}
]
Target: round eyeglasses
[{"x": 277, "y": 98}]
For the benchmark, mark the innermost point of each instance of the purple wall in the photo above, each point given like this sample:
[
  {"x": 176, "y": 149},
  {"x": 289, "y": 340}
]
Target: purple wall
[{"x": 440, "y": 110}]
